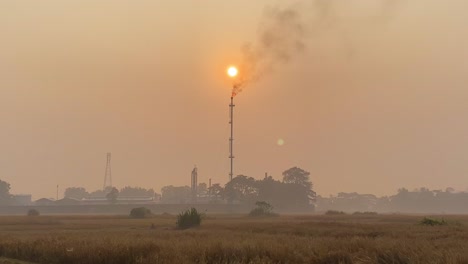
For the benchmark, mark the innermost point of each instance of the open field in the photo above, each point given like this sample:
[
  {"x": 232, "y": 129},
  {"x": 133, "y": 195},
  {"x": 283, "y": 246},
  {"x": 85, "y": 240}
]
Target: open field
[{"x": 233, "y": 239}]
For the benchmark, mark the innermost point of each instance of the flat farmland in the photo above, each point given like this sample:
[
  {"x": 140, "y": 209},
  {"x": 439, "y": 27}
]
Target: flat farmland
[{"x": 234, "y": 239}]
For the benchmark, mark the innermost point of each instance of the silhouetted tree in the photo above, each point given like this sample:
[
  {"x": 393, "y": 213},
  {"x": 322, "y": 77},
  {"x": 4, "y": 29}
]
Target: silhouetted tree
[
  {"x": 76, "y": 193},
  {"x": 128, "y": 191},
  {"x": 420, "y": 200},
  {"x": 297, "y": 176},
  {"x": 242, "y": 189},
  {"x": 276, "y": 193},
  {"x": 113, "y": 195},
  {"x": 175, "y": 194},
  {"x": 202, "y": 189},
  {"x": 216, "y": 192},
  {"x": 5, "y": 196},
  {"x": 287, "y": 196}
]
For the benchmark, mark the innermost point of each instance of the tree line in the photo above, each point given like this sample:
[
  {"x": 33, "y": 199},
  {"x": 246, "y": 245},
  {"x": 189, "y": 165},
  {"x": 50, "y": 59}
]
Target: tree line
[
  {"x": 294, "y": 192},
  {"x": 5, "y": 197},
  {"x": 110, "y": 192},
  {"x": 420, "y": 200}
]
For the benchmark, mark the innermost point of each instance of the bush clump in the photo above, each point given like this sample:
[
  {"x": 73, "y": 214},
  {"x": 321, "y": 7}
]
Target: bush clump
[
  {"x": 432, "y": 222},
  {"x": 33, "y": 212},
  {"x": 334, "y": 212},
  {"x": 188, "y": 219},
  {"x": 140, "y": 212},
  {"x": 262, "y": 209}
]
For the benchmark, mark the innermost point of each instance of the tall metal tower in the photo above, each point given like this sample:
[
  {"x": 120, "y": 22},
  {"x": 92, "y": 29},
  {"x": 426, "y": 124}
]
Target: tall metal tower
[
  {"x": 108, "y": 173},
  {"x": 231, "y": 139}
]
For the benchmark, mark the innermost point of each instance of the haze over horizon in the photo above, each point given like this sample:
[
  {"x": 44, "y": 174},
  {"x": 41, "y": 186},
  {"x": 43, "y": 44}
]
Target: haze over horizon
[{"x": 375, "y": 101}]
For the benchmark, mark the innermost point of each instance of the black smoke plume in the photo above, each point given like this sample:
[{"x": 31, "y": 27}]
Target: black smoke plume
[{"x": 281, "y": 36}]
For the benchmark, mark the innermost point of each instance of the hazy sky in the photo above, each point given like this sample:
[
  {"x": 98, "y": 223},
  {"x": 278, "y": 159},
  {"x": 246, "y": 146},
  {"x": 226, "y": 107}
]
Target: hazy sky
[{"x": 377, "y": 100}]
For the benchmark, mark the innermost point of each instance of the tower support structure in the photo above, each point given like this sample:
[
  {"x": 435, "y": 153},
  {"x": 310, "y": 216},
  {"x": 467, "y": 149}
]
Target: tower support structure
[{"x": 108, "y": 173}]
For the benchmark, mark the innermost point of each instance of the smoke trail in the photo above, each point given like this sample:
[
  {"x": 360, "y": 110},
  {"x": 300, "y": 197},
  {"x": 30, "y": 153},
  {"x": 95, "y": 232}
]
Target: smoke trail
[
  {"x": 283, "y": 34},
  {"x": 327, "y": 9},
  {"x": 281, "y": 37}
]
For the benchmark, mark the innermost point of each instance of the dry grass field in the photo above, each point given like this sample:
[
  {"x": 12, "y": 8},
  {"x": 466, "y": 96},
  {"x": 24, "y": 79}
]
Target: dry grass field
[{"x": 233, "y": 239}]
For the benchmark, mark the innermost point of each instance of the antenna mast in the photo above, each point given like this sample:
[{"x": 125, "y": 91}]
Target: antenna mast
[{"x": 108, "y": 173}]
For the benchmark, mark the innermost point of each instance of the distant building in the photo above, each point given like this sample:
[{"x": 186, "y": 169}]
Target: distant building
[
  {"x": 120, "y": 200},
  {"x": 68, "y": 201},
  {"x": 44, "y": 201}
]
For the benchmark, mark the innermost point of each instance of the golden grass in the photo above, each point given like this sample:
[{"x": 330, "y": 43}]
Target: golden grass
[
  {"x": 234, "y": 239},
  {"x": 12, "y": 261}
]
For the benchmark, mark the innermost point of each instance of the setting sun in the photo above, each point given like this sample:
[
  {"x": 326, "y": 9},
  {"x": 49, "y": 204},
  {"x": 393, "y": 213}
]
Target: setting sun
[{"x": 232, "y": 71}]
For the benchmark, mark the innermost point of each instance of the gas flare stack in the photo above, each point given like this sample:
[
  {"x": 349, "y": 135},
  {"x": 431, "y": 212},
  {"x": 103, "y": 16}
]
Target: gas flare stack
[
  {"x": 231, "y": 138},
  {"x": 232, "y": 72},
  {"x": 194, "y": 184}
]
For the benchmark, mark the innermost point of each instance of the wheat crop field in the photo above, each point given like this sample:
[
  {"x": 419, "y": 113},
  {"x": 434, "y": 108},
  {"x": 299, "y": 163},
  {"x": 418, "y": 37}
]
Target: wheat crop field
[{"x": 233, "y": 239}]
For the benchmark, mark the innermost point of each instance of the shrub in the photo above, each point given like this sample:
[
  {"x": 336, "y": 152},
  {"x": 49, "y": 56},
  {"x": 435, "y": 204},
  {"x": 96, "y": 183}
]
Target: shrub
[
  {"x": 188, "y": 219},
  {"x": 33, "y": 212},
  {"x": 432, "y": 222},
  {"x": 262, "y": 209},
  {"x": 334, "y": 212},
  {"x": 140, "y": 212}
]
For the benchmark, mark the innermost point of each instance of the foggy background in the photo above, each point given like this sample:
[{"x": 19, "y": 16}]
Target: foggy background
[{"x": 375, "y": 101}]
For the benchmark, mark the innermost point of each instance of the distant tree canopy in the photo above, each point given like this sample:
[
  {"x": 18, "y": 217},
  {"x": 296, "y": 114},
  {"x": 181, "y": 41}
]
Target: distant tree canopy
[
  {"x": 300, "y": 179},
  {"x": 242, "y": 189},
  {"x": 420, "y": 200},
  {"x": 293, "y": 193},
  {"x": 298, "y": 176},
  {"x": 113, "y": 195},
  {"x": 173, "y": 194},
  {"x": 5, "y": 196},
  {"x": 136, "y": 192},
  {"x": 284, "y": 195},
  {"x": 80, "y": 192},
  {"x": 76, "y": 193},
  {"x": 202, "y": 189},
  {"x": 216, "y": 192}
]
